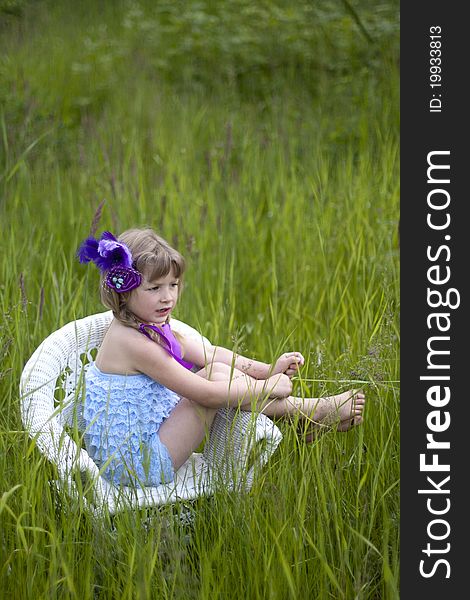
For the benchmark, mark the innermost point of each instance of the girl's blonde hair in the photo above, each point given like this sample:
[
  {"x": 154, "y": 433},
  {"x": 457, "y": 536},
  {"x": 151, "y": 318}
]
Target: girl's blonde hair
[{"x": 154, "y": 258}]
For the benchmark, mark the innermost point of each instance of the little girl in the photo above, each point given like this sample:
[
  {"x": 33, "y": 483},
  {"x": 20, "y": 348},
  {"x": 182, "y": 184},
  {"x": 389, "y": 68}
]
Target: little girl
[{"x": 151, "y": 396}]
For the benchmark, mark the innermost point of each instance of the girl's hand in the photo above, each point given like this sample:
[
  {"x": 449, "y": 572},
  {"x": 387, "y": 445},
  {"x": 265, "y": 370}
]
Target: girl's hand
[
  {"x": 289, "y": 363},
  {"x": 279, "y": 386}
]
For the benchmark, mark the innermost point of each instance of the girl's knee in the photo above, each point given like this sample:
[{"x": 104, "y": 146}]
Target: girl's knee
[
  {"x": 219, "y": 367},
  {"x": 215, "y": 372},
  {"x": 218, "y": 371},
  {"x": 222, "y": 372}
]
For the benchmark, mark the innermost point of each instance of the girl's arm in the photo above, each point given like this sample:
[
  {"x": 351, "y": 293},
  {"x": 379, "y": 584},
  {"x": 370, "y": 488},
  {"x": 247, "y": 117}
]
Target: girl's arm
[
  {"x": 202, "y": 355},
  {"x": 152, "y": 359}
]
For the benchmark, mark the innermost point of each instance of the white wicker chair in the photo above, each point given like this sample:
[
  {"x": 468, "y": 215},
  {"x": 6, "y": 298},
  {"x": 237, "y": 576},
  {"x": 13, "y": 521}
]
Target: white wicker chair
[{"x": 239, "y": 442}]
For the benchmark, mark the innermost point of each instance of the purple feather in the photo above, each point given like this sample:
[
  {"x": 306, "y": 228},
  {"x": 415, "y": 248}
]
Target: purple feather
[
  {"x": 105, "y": 253},
  {"x": 107, "y": 235},
  {"x": 88, "y": 250}
]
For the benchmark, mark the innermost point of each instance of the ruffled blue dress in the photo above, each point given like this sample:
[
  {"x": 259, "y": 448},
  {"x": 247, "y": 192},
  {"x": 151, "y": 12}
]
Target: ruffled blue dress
[{"x": 123, "y": 414}]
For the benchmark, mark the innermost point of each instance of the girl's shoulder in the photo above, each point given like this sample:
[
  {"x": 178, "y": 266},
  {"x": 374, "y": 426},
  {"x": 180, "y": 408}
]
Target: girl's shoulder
[
  {"x": 117, "y": 331},
  {"x": 118, "y": 349}
]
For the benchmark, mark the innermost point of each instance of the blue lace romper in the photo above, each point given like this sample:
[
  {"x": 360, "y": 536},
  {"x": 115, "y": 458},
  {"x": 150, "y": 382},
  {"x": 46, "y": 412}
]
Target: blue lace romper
[{"x": 123, "y": 414}]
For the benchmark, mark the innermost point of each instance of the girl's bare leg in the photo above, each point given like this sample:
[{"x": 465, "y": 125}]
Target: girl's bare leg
[
  {"x": 189, "y": 422},
  {"x": 184, "y": 429},
  {"x": 341, "y": 410}
]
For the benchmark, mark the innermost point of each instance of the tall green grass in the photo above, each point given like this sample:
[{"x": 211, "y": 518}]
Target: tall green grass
[{"x": 280, "y": 186}]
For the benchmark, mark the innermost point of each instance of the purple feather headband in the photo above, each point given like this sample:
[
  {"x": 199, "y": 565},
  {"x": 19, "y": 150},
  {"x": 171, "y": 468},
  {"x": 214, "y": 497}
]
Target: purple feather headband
[{"x": 113, "y": 259}]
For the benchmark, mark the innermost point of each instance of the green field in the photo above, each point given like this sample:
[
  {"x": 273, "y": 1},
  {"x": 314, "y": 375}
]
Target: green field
[{"x": 262, "y": 140}]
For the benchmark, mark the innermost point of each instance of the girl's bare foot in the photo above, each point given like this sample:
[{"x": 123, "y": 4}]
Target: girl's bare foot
[
  {"x": 340, "y": 412},
  {"x": 341, "y": 409}
]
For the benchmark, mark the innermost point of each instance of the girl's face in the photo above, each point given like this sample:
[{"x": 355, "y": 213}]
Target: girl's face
[{"x": 153, "y": 301}]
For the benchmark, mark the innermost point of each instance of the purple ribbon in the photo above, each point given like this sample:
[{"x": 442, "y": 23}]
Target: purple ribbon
[{"x": 172, "y": 346}]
